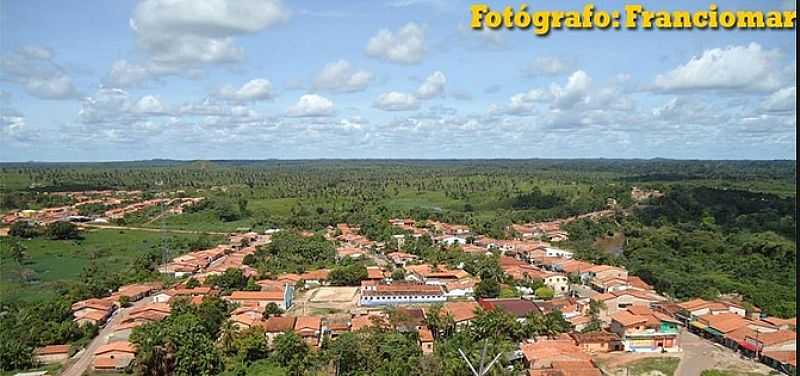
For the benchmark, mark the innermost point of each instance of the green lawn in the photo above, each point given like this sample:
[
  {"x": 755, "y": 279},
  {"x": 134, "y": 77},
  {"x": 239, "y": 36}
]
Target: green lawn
[
  {"x": 647, "y": 366},
  {"x": 52, "y": 263}
]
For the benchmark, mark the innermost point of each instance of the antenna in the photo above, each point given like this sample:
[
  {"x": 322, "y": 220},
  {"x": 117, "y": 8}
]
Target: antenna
[
  {"x": 482, "y": 370},
  {"x": 165, "y": 253}
]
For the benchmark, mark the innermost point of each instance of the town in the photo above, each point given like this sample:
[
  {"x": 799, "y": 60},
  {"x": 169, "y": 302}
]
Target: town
[{"x": 577, "y": 316}]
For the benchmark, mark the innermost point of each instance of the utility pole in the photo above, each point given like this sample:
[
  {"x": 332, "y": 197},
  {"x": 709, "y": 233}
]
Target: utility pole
[{"x": 482, "y": 369}]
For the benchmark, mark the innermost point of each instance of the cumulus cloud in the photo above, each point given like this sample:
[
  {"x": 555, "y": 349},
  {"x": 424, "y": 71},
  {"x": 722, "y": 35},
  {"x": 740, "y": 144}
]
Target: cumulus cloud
[
  {"x": 396, "y": 101},
  {"x": 254, "y": 90},
  {"x": 404, "y": 46},
  {"x": 783, "y": 100},
  {"x": 148, "y": 105},
  {"x": 749, "y": 67},
  {"x": 34, "y": 69},
  {"x": 178, "y": 34},
  {"x": 341, "y": 76},
  {"x": 433, "y": 86},
  {"x": 547, "y": 66},
  {"x": 526, "y": 102},
  {"x": 575, "y": 91},
  {"x": 311, "y": 105}
]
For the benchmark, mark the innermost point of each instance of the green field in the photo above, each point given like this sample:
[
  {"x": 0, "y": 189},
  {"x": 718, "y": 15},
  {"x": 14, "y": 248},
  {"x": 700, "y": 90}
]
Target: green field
[
  {"x": 51, "y": 264},
  {"x": 650, "y": 366}
]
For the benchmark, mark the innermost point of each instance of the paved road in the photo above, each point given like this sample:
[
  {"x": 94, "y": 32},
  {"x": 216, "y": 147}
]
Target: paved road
[
  {"x": 150, "y": 229},
  {"x": 84, "y": 360}
]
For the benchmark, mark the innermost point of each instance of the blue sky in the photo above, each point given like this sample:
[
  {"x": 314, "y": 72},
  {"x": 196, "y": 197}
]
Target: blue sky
[{"x": 123, "y": 80}]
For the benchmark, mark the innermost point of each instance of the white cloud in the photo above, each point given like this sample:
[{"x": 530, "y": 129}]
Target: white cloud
[
  {"x": 342, "y": 77},
  {"x": 547, "y": 66},
  {"x": 396, "y": 101},
  {"x": 56, "y": 87},
  {"x": 783, "y": 100},
  {"x": 34, "y": 69},
  {"x": 148, "y": 105},
  {"x": 180, "y": 33},
  {"x": 405, "y": 46},
  {"x": 433, "y": 86},
  {"x": 311, "y": 105},
  {"x": 253, "y": 90},
  {"x": 575, "y": 91},
  {"x": 124, "y": 74},
  {"x": 748, "y": 67},
  {"x": 526, "y": 102}
]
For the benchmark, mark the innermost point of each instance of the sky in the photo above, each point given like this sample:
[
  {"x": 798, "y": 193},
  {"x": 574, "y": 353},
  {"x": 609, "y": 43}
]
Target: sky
[{"x": 246, "y": 79}]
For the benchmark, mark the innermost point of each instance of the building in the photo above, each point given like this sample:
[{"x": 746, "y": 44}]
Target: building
[
  {"x": 559, "y": 356},
  {"x": 644, "y": 330},
  {"x": 401, "y": 258},
  {"x": 277, "y": 325},
  {"x": 598, "y": 342},
  {"x": 401, "y": 293},
  {"x": 426, "y": 341},
  {"x": 281, "y": 298},
  {"x": 114, "y": 357},
  {"x": 309, "y": 328},
  {"x": 51, "y": 354},
  {"x": 462, "y": 312},
  {"x": 518, "y": 307}
]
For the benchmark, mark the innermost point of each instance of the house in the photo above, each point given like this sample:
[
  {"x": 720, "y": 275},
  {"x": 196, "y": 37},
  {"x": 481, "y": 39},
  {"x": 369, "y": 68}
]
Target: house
[
  {"x": 462, "y": 312},
  {"x": 558, "y": 252},
  {"x": 644, "y": 330},
  {"x": 784, "y": 361},
  {"x": 277, "y": 325},
  {"x": 335, "y": 327},
  {"x": 558, "y": 282},
  {"x": 518, "y": 307},
  {"x": 166, "y": 296},
  {"x": 114, "y": 356},
  {"x": 401, "y": 293},
  {"x": 600, "y": 277},
  {"x": 51, "y": 354},
  {"x": 435, "y": 275},
  {"x": 283, "y": 299},
  {"x": 350, "y": 252},
  {"x": 426, "y": 341},
  {"x": 450, "y": 240},
  {"x": 309, "y": 328},
  {"x": 560, "y": 356},
  {"x": 616, "y": 301},
  {"x": 401, "y": 258},
  {"x": 93, "y": 311},
  {"x": 719, "y": 328},
  {"x": 782, "y": 340},
  {"x": 462, "y": 288},
  {"x": 316, "y": 277},
  {"x": 375, "y": 273},
  {"x": 137, "y": 291},
  {"x": 598, "y": 342},
  {"x": 369, "y": 320}
]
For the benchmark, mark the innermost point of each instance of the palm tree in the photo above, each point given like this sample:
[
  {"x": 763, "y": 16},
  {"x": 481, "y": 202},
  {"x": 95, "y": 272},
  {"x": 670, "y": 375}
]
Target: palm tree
[{"x": 227, "y": 337}]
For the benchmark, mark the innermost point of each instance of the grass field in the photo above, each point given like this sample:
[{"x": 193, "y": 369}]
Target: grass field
[
  {"x": 653, "y": 366},
  {"x": 52, "y": 263}
]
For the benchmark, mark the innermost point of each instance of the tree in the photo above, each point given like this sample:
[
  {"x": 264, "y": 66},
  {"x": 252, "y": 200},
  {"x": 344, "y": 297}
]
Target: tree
[
  {"x": 487, "y": 288},
  {"x": 179, "y": 345},
  {"x": 350, "y": 275},
  {"x": 62, "y": 231},
  {"x": 290, "y": 351},
  {"x": 251, "y": 345},
  {"x": 544, "y": 292},
  {"x": 398, "y": 274},
  {"x": 23, "y": 229},
  {"x": 17, "y": 251},
  {"x": 595, "y": 324},
  {"x": 271, "y": 310},
  {"x": 192, "y": 283}
]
